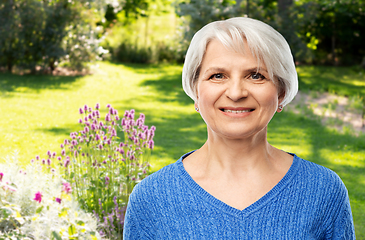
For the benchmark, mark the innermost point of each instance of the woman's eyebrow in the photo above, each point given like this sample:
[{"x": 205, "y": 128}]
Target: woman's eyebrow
[
  {"x": 220, "y": 69},
  {"x": 215, "y": 69},
  {"x": 256, "y": 69}
]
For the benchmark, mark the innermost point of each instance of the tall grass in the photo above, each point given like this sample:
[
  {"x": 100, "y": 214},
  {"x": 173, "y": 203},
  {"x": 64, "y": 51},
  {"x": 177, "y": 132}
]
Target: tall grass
[{"x": 38, "y": 112}]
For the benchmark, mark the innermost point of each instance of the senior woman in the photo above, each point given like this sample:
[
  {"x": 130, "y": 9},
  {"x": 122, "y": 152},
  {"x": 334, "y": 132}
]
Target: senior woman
[{"x": 239, "y": 72}]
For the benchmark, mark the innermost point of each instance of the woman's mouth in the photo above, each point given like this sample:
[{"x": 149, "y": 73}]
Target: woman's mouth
[{"x": 236, "y": 111}]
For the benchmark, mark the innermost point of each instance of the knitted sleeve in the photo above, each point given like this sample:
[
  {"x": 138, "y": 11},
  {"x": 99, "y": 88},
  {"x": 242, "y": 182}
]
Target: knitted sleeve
[{"x": 342, "y": 225}]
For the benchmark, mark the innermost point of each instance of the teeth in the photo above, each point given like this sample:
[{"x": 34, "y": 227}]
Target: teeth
[{"x": 233, "y": 111}]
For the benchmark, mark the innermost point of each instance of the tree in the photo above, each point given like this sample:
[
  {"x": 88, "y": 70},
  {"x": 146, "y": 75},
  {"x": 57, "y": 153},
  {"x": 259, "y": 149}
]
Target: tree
[
  {"x": 44, "y": 33},
  {"x": 334, "y": 29},
  {"x": 197, "y": 13}
]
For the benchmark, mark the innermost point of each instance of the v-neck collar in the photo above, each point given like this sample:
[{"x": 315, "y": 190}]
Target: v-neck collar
[{"x": 210, "y": 199}]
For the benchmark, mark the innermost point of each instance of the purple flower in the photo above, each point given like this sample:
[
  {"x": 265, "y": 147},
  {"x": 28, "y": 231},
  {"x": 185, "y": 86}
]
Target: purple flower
[
  {"x": 97, "y": 106},
  {"x": 86, "y": 107},
  {"x": 49, "y": 162},
  {"x": 63, "y": 152},
  {"x": 66, "y": 162},
  {"x": 80, "y": 120},
  {"x": 81, "y": 111},
  {"x": 86, "y": 129},
  {"x": 1, "y": 176},
  {"x": 66, "y": 187},
  {"x": 151, "y": 144},
  {"x": 97, "y": 137},
  {"x": 107, "y": 180},
  {"x": 38, "y": 197},
  {"x": 108, "y": 118},
  {"x": 58, "y": 200},
  {"x": 108, "y": 106}
]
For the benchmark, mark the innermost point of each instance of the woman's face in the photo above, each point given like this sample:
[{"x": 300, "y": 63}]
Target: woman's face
[{"x": 235, "y": 100}]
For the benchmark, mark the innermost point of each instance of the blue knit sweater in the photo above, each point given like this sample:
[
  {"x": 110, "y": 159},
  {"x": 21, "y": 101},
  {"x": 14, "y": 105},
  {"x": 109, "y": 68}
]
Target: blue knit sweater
[{"x": 310, "y": 202}]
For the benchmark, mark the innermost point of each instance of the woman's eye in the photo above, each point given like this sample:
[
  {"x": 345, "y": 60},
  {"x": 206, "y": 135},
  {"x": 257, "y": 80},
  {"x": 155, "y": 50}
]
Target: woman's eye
[
  {"x": 217, "y": 76},
  {"x": 257, "y": 76}
]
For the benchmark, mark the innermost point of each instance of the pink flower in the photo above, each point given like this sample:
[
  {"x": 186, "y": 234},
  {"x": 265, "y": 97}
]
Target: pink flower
[
  {"x": 1, "y": 176},
  {"x": 8, "y": 187},
  {"x": 38, "y": 197},
  {"x": 66, "y": 187},
  {"x": 58, "y": 200}
]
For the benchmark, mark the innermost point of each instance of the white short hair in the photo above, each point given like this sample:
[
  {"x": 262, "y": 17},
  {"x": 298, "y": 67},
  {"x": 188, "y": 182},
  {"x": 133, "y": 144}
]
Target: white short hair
[{"x": 266, "y": 44}]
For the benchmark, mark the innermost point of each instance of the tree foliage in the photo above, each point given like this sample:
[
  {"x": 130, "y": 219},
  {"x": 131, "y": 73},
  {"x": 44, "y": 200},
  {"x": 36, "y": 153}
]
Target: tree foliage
[
  {"x": 318, "y": 31},
  {"x": 335, "y": 30},
  {"x": 197, "y": 13},
  {"x": 47, "y": 32}
]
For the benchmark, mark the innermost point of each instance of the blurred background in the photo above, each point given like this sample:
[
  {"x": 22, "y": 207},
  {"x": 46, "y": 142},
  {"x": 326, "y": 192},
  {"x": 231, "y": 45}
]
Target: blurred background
[
  {"x": 59, "y": 55},
  {"x": 40, "y": 35}
]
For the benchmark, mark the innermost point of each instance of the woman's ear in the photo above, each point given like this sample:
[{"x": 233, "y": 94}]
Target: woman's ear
[
  {"x": 281, "y": 98},
  {"x": 196, "y": 106}
]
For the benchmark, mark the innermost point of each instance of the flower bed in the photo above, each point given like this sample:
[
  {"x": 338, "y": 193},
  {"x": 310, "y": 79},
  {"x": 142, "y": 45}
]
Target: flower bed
[{"x": 91, "y": 178}]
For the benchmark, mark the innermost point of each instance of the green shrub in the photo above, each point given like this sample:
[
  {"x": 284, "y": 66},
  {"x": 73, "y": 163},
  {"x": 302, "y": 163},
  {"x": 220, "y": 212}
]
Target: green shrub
[{"x": 46, "y": 33}]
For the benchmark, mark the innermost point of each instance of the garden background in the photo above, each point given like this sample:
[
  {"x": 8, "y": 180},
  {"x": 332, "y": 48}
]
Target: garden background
[{"x": 58, "y": 55}]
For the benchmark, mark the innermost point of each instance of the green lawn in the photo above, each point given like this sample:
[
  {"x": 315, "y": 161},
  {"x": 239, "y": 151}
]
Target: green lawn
[{"x": 39, "y": 112}]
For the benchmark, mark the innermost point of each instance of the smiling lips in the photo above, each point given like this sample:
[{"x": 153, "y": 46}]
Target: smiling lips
[{"x": 236, "y": 111}]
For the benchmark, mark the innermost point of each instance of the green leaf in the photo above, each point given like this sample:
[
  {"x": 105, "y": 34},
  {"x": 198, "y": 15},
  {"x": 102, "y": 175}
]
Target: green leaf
[
  {"x": 39, "y": 209},
  {"x": 55, "y": 235},
  {"x": 72, "y": 229},
  {"x": 63, "y": 212},
  {"x": 79, "y": 222}
]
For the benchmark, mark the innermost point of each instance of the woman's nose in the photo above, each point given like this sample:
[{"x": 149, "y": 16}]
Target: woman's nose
[{"x": 236, "y": 90}]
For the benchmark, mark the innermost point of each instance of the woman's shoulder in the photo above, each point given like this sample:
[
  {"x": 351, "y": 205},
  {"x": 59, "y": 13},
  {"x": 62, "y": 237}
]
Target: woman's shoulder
[
  {"x": 319, "y": 178},
  {"x": 158, "y": 178},
  {"x": 162, "y": 181}
]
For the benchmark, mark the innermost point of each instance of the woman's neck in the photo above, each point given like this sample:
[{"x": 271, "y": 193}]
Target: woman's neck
[{"x": 235, "y": 157}]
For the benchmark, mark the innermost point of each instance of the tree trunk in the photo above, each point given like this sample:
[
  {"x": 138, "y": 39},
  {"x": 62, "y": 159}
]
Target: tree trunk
[{"x": 9, "y": 64}]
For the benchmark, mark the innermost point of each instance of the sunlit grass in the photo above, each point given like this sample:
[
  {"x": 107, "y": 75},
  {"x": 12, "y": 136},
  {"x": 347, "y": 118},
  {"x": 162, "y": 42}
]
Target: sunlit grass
[
  {"x": 345, "y": 81},
  {"x": 39, "y": 112}
]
